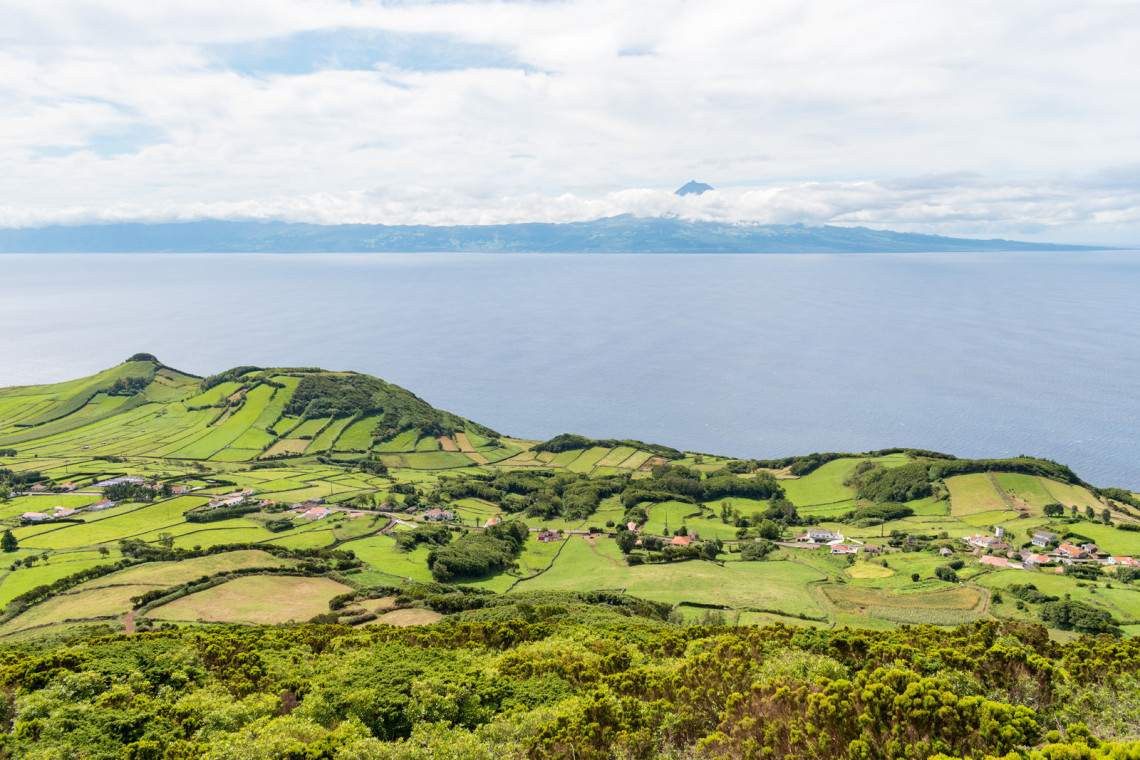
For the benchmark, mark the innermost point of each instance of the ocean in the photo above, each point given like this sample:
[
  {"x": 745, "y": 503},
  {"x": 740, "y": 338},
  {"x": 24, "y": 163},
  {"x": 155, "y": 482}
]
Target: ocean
[{"x": 978, "y": 355}]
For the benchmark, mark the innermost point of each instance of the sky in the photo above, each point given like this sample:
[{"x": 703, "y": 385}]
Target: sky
[{"x": 963, "y": 117}]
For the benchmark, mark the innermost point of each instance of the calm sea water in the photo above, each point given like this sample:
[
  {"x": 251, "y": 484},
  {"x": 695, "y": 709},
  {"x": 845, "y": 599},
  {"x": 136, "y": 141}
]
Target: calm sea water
[{"x": 973, "y": 354}]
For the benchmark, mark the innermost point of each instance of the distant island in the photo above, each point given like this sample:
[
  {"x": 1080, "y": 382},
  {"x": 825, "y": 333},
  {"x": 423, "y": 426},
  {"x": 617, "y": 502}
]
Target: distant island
[{"x": 618, "y": 234}]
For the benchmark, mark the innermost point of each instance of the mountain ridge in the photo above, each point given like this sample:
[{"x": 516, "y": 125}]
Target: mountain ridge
[{"x": 617, "y": 234}]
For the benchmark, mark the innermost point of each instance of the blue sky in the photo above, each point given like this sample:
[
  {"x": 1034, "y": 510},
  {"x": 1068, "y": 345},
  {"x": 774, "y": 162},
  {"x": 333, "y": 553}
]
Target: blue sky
[{"x": 950, "y": 116}]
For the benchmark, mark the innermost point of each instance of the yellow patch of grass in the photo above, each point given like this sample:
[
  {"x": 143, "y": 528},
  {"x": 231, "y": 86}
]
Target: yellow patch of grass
[{"x": 868, "y": 570}]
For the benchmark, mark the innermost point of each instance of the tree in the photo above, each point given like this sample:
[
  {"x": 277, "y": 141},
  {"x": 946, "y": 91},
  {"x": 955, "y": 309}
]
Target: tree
[
  {"x": 8, "y": 542},
  {"x": 1106, "y": 516},
  {"x": 1090, "y": 513},
  {"x": 166, "y": 540},
  {"x": 104, "y": 551},
  {"x": 1053, "y": 510},
  {"x": 914, "y": 577},
  {"x": 626, "y": 540},
  {"x": 1073, "y": 510},
  {"x": 946, "y": 573}
]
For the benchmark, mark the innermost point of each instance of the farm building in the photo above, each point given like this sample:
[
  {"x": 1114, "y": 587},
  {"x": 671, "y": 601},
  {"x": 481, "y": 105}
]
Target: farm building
[
  {"x": 33, "y": 516},
  {"x": 68, "y": 486},
  {"x": 1068, "y": 551},
  {"x": 549, "y": 535},
  {"x": 1122, "y": 561},
  {"x": 316, "y": 513},
  {"x": 844, "y": 549},
  {"x": 819, "y": 536},
  {"x": 99, "y": 506},
  {"x": 946, "y": 551},
  {"x": 1043, "y": 538},
  {"x": 63, "y": 512},
  {"x": 681, "y": 541},
  {"x": 438, "y": 515},
  {"x": 491, "y": 521},
  {"x": 1030, "y": 558}
]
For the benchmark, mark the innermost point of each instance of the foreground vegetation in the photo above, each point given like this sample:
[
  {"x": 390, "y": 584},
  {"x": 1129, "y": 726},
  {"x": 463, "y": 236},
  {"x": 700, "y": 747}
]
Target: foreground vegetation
[{"x": 564, "y": 676}]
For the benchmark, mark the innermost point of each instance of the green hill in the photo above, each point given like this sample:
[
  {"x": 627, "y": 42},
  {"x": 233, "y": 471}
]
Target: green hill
[{"x": 143, "y": 408}]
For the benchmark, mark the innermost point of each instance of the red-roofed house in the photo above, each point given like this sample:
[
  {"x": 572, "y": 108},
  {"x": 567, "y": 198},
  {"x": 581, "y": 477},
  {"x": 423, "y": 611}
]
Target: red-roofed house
[
  {"x": 316, "y": 513},
  {"x": 1123, "y": 561},
  {"x": 1036, "y": 559},
  {"x": 1001, "y": 562},
  {"x": 844, "y": 549},
  {"x": 549, "y": 535},
  {"x": 491, "y": 521},
  {"x": 1068, "y": 551},
  {"x": 33, "y": 516},
  {"x": 681, "y": 541}
]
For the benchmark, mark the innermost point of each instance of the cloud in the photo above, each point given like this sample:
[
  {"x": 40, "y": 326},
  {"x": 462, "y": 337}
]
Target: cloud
[
  {"x": 113, "y": 107},
  {"x": 956, "y": 205}
]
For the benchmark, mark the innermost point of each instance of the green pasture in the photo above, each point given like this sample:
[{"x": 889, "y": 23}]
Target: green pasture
[
  {"x": 764, "y": 585},
  {"x": 1027, "y": 489},
  {"x": 614, "y": 457},
  {"x": 24, "y": 579},
  {"x": 672, "y": 513},
  {"x": 973, "y": 493},
  {"x": 1070, "y": 495},
  {"x": 404, "y": 442},
  {"x": 358, "y": 435},
  {"x": 823, "y": 485},
  {"x": 588, "y": 459},
  {"x": 381, "y": 554}
]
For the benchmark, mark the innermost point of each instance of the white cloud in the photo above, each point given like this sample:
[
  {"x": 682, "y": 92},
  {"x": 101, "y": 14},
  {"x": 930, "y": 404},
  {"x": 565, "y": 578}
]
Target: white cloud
[
  {"x": 1065, "y": 209},
  {"x": 812, "y": 104}
]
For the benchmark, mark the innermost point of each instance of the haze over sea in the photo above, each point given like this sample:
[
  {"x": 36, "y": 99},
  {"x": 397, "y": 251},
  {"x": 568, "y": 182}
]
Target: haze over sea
[{"x": 986, "y": 355}]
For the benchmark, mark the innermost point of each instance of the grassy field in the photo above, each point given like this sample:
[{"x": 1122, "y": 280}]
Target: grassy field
[
  {"x": 765, "y": 585},
  {"x": 823, "y": 486},
  {"x": 257, "y": 599},
  {"x": 973, "y": 493},
  {"x": 1025, "y": 491}
]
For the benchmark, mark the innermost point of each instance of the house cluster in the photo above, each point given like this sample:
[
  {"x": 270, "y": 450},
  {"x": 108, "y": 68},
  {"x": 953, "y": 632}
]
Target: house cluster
[
  {"x": 1055, "y": 551},
  {"x": 231, "y": 500},
  {"x": 818, "y": 538},
  {"x": 315, "y": 513},
  {"x": 34, "y": 517},
  {"x": 117, "y": 481},
  {"x": 310, "y": 510},
  {"x": 178, "y": 490},
  {"x": 439, "y": 515},
  {"x": 549, "y": 535}
]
